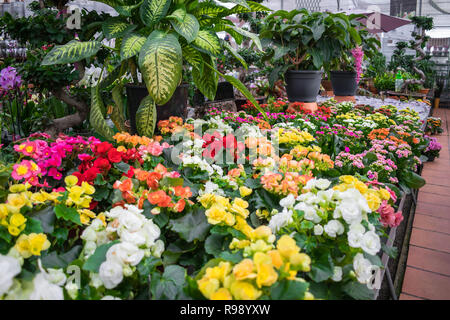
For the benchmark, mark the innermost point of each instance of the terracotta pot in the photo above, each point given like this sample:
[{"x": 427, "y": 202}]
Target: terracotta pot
[{"x": 424, "y": 91}]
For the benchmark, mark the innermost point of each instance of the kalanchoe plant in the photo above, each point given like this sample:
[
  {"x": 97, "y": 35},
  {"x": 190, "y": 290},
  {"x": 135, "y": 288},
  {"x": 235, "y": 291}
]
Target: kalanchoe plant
[{"x": 159, "y": 38}]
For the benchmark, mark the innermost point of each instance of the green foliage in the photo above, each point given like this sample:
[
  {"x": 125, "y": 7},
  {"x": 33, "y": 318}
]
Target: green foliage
[{"x": 146, "y": 117}]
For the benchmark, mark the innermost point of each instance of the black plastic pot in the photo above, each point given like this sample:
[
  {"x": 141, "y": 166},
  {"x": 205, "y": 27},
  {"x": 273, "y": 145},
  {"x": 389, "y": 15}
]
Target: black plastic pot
[
  {"x": 344, "y": 83},
  {"x": 225, "y": 91},
  {"x": 303, "y": 85},
  {"x": 175, "y": 107}
]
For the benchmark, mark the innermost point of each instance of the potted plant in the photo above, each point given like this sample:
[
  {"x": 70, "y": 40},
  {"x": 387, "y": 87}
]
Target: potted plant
[
  {"x": 298, "y": 46},
  {"x": 160, "y": 39}
]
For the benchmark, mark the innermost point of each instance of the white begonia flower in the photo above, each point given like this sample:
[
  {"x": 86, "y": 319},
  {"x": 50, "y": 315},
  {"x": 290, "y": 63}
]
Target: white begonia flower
[
  {"x": 308, "y": 198},
  {"x": 45, "y": 290},
  {"x": 111, "y": 273},
  {"x": 102, "y": 237},
  {"x": 318, "y": 230},
  {"x": 89, "y": 234},
  {"x": 218, "y": 169},
  {"x": 137, "y": 238},
  {"x": 333, "y": 228},
  {"x": 310, "y": 184},
  {"x": 134, "y": 209},
  {"x": 322, "y": 184},
  {"x": 131, "y": 221},
  {"x": 371, "y": 243},
  {"x": 56, "y": 276},
  {"x": 158, "y": 248},
  {"x": 127, "y": 270},
  {"x": 89, "y": 248},
  {"x": 96, "y": 281},
  {"x": 72, "y": 289},
  {"x": 355, "y": 235},
  {"x": 363, "y": 268},
  {"x": 350, "y": 211},
  {"x": 326, "y": 196},
  {"x": 96, "y": 224},
  {"x": 125, "y": 253},
  {"x": 288, "y": 201},
  {"x": 9, "y": 268},
  {"x": 337, "y": 274},
  {"x": 151, "y": 232},
  {"x": 115, "y": 212},
  {"x": 310, "y": 212},
  {"x": 280, "y": 220},
  {"x": 355, "y": 196}
]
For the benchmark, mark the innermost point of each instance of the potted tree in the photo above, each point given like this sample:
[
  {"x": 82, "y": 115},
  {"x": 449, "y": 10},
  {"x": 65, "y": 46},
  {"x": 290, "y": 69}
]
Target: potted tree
[{"x": 160, "y": 39}]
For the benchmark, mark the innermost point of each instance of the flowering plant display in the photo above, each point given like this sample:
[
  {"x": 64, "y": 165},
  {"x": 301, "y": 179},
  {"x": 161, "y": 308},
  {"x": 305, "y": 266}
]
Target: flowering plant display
[
  {"x": 434, "y": 125},
  {"x": 291, "y": 208}
]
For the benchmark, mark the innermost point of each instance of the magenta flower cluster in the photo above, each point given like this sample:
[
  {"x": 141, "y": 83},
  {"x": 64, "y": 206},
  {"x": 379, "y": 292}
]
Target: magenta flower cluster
[{"x": 9, "y": 79}]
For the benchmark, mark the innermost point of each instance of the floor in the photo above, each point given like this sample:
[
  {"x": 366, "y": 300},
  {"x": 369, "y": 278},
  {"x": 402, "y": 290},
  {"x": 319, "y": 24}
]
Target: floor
[{"x": 427, "y": 274}]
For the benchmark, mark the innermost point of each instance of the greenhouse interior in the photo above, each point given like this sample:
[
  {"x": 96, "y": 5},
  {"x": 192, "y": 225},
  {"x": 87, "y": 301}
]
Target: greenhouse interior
[{"x": 224, "y": 150}]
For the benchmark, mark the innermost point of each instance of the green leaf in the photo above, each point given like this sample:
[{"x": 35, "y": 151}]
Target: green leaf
[
  {"x": 288, "y": 290},
  {"x": 160, "y": 61},
  {"x": 322, "y": 269},
  {"x": 254, "y": 7},
  {"x": 234, "y": 53},
  {"x": 176, "y": 274},
  {"x": 214, "y": 244},
  {"x": 131, "y": 45},
  {"x": 147, "y": 265},
  {"x": 239, "y": 2},
  {"x": 118, "y": 108},
  {"x": 98, "y": 257},
  {"x": 72, "y": 51},
  {"x": 358, "y": 291},
  {"x": 169, "y": 285},
  {"x": 55, "y": 260},
  {"x": 193, "y": 57},
  {"x": 68, "y": 214},
  {"x": 116, "y": 28},
  {"x": 5, "y": 235},
  {"x": 207, "y": 42},
  {"x": 243, "y": 89},
  {"x": 96, "y": 118},
  {"x": 233, "y": 257},
  {"x": 122, "y": 167},
  {"x": 248, "y": 34},
  {"x": 412, "y": 179},
  {"x": 206, "y": 81},
  {"x": 47, "y": 218},
  {"x": 33, "y": 226},
  {"x": 146, "y": 117},
  {"x": 126, "y": 10},
  {"x": 152, "y": 11},
  {"x": 192, "y": 226},
  {"x": 185, "y": 24}
]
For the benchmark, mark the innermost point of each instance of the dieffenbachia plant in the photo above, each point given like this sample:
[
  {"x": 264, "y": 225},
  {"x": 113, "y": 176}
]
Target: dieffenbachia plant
[{"x": 161, "y": 38}]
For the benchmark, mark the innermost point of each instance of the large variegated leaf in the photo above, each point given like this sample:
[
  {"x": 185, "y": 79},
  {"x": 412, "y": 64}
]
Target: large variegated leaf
[
  {"x": 242, "y": 88},
  {"x": 152, "y": 11},
  {"x": 126, "y": 10},
  {"x": 210, "y": 10},
  {"x": 193, "y": 57},
  {"x": 185, "y": 24},
  {"x": 72, "y": 51},
  {"x": 113, "y": 76},
  {"x": 252, "y": 7},
  {"x": 117, "y": 116},
  {"x": 114, "y": 28},
  {"x": 238, "y": 57},
  {"x": 250, "y": 35},
  {"x": 207, "y": 42},
  {"x": 206, "y": 81},
  {"x": 160, "y": 61},
  {"x": 146, "y": 117},
  {"x": 226, "y": 27},
  {"x": 239, "y": 2},
  {"x": 131, "y": 45},
  {"x": 96, "y": 118}
]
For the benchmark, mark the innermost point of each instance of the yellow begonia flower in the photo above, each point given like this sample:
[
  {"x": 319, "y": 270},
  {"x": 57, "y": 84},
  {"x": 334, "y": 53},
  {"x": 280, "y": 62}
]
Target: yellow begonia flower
[
  {"x": 384, "y": 194},
  {"x": 242, "y": 290},
  {"x": 219, "y": 272},
  {"x": 244, "y": 191},
  {"x": 217, "y": 214},
  {"x": 244, "y": 270},
  {"x": 301, "y": 260},
  {"x": 3, "y": 211},
  {"x": 262, "y": 232},
  {"x": 87, "y": 188},
  {"x": 221, "y": 294},
  {"x": 348, "y": 179},
  {"x": 208, "y": 286},
  {"x": 287, "y": 246},
  {"x": 71, "y": 181},
  {"x": 262, "y": 213},
  {"x": 223, "y": 201},
  {"x": 242, "y": 226},
  {"x": 38, "y": 197},
  {"x": 86, "y": 215},
  {"x": 373, "y": 200},
  {"x": 239, "y": 244},
  {"x": 206, "y": 199},
  {"x": 361, "y": 187},
  {"x": 277, "y": 261},
  {"x": 266, "y": 274},
  {"x": 16, "y": 188},
  {"x": 32, "y": 244},
  {"x": 15, "y": 201}
]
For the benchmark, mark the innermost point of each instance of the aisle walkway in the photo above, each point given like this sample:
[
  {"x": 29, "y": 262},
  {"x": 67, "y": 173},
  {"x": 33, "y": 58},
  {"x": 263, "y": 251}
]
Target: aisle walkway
[{"x": 427, "y": 273}]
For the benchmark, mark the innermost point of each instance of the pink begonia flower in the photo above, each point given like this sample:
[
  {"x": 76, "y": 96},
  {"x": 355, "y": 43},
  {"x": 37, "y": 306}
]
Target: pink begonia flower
[
  {"x": 22, "y": 170},
  {"x": 155, "y": 149},
  {"x": 85, "y": 157},
  {"x": 55, "y": 174},
  {"x": 60, "y": 189},
  {"x": 173, "y": 174}
]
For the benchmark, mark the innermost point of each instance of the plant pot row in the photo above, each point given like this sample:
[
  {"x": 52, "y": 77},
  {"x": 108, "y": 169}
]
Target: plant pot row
[{"x": 303, "y": 86}]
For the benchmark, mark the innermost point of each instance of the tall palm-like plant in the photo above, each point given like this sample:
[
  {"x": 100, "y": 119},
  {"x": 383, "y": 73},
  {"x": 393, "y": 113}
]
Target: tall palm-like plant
[{"x": 158, "y": 38}]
